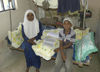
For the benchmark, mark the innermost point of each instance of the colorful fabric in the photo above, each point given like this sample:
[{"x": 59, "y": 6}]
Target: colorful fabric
[
  {"x": 81, "y": 33},
  {"x": 84, "y": 47},
  {"x": 15, "y": 37},
  {"x": 53, "y": 3},
  {"x": 44, "y": 51},
  {"x": 50, "y": 41}
]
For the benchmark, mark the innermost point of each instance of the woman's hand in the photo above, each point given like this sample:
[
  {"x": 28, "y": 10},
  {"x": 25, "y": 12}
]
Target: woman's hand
[{"x": 31, "y": 42}]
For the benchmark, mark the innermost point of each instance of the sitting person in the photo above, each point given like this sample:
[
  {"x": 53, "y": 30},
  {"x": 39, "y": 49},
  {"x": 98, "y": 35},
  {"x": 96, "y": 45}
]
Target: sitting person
[
  {"x": 65, "y": 52},
  {"x": 31, "y": 31}
]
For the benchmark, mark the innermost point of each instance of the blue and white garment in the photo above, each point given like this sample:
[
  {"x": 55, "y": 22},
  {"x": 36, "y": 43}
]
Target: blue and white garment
[
  {"x": 67, "y": 38},
  {"x": 31, "y": 30}
]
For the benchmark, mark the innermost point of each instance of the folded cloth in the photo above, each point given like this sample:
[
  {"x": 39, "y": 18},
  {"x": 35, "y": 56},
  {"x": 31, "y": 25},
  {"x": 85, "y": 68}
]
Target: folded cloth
[
  {"x": 43, "y": 51},
  {"x": 81, "y": 33},
  {"x": 84, "y": 47},
  {"x": 50, "y": 41},
  {"x": 53, "y": 3},
  {"x": 15, "y": 37},
  {"x": 52, "y": 33}
]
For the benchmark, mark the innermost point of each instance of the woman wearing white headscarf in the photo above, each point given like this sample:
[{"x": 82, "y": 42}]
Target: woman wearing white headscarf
[{"x": 31, "y": 30}]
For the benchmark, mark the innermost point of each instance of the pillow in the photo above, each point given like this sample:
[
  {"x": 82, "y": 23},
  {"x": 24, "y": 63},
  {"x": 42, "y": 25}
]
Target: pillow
[
  {"x": 81, "y": 33},
  {"x": 15, "y": 37},
  {"x": 84, "y": 47},
  {"x": 43, "y": 51}
]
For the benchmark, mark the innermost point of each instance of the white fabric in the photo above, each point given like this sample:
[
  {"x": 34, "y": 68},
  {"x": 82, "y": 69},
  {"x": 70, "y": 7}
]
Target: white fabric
[
  {"x": 41, "y": 13},
  {"x": 42, "y": 50},
  {"x": 52, "y": 34},
  {"x": 53, "y": 43},
  {"x": 83, "y": 3},
  {"x": 31, "y": 28},
  {"x": 48, "y": 43},
  {"x": 53, "y": 3}
]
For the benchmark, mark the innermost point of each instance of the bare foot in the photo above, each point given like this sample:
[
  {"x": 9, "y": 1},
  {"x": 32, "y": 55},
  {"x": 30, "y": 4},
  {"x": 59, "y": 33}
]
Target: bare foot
[
  {"x": 37, "y": 70},
  {"x": 87, "y": 63},
  {"x": 27, "y": 70},
  {"x": 80, "y": 65},
  {"x": 75, "y": 62}
]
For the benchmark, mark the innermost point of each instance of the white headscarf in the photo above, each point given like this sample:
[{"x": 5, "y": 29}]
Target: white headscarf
[{"x": 31, "y": 28}]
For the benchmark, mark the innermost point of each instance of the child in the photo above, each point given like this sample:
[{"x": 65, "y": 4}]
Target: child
[
  {"x": 65, "y": 53},
  {"x": 31, "y": 30}
]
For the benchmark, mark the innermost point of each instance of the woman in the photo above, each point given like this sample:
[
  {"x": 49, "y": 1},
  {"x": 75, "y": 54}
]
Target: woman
[{"x": 31, "y": 31}]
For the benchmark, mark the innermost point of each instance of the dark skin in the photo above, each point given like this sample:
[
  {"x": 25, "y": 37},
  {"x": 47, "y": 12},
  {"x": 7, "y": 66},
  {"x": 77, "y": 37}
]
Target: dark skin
[
  {"x": 30, "y": 17},
  {"x": 67, "y": 26}
]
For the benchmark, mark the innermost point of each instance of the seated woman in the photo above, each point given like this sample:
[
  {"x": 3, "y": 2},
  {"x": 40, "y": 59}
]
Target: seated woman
[{"x": 31, "y": 31}]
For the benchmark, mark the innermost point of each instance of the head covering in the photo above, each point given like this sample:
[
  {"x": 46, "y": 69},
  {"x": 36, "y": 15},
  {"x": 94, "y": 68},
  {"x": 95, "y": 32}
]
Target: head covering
[
  {"x": 31, "y": 28},
  {"x": 68, "y": 19}
]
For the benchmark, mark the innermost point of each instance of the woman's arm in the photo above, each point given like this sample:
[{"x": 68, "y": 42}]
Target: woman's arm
[{"x": 31, "y": 41}]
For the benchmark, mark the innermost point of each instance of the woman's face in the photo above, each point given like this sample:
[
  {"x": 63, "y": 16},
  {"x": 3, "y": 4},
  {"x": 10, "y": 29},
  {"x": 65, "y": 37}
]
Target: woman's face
[
  {"x": 30, "y": 16},
  {"x": 67, "y": 25}
]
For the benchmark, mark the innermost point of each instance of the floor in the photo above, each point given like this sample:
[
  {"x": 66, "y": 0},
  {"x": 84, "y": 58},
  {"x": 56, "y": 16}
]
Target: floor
[{"x": 14, "y": 61}]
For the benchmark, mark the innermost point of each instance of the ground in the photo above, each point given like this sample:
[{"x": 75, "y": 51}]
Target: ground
[{"x": 14, "y": 61}]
